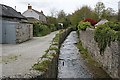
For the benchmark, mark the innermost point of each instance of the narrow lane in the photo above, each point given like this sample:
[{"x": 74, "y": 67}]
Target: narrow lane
[
  {"x": 18, "y": 59},
  {"x": 71, "y": 64}
]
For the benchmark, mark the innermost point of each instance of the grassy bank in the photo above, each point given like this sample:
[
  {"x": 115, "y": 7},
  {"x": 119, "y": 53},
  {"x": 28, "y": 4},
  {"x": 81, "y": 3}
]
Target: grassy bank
[{"x": 92, "y": 65}]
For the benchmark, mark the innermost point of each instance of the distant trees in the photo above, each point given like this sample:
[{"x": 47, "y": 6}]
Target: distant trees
[
  {"x": 81, "y": 14},
  {"x": 104, "y": 13},
  {"x": 119, "y": 15},
  {"x": 51, "y": 20},
  {"x": 109, "y": 14},
  {"x": 98, "y": 13},
  {"x": 62, "y": 18},
  {"x": 99, "y": 9},
  {"x": 61, "y": 14}
]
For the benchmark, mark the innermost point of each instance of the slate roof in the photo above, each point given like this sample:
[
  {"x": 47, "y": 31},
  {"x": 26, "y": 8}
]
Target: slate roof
[
  {"x": 103, "y": 21},
  {"x": 10, "y": 12},
  {"x": 39, "y": 13},
  {"x": 31, "y": 19}
]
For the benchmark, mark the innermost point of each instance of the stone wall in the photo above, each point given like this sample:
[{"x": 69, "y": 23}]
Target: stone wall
[
  {"x": 24, "y": 32},
  {"x": 63, "y": 35},
  {"x": 110, "y": 60},
  {"x": 14, "y": 32},
  {"x": 53, "y": 67}
]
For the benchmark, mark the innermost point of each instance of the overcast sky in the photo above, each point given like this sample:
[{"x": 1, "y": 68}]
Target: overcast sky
[{"x": 47, "y": 6}]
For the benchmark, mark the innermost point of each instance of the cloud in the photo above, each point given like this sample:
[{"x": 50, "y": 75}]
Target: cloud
[
  {"x": 68, "y": 6},
  {"x": 37, "y": 3}
]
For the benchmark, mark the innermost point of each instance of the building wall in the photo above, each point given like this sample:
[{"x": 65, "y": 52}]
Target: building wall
[
  {"x": 15, "y": 32},
  {"x": 110, "y": 60},
  {"x": 0, "y": 30},
  {"x": 24, "y": 32},
  {"x": 31, "y": 13},
  {"x": 42, "y": 18}
]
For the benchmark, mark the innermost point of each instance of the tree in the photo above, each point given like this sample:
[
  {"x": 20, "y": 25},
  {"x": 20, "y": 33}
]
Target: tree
[
  {"x": 52, "y": 23},
  {"x": 63, "y": 18},
  {"x": 53, "y": 12},
  {"x": 66, "y": 22},
  {"x": 119, "y": 15},
  {"x": 61, "y": 14},
  {"x": 99, "y": 9},
  {"x": 81, "y": 14},
  {"x": 109, "y": 14},
  {"x": 51, "y": 20}
]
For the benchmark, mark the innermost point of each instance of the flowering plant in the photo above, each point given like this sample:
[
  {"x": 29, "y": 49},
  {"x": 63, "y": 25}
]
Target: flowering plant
[{"x": 92, "y": 22}]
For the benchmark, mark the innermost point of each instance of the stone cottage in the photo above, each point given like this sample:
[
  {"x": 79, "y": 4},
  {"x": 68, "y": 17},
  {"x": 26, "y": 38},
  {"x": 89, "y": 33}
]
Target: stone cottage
[
  {"x": 14, "y": 27},
  {"x": 34, "y": 15}
]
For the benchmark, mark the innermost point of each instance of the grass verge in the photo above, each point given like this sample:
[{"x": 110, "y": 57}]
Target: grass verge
[
  {"x": 49, "y": 55},
  {"x": 86, "y": 55},
  {"x": 42, "y": 66},
  {"x": 94, "y": 67}
]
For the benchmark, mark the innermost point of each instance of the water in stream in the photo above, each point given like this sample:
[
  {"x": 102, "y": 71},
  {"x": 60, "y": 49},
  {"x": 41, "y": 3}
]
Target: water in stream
[{"x": 71, "y": 64}]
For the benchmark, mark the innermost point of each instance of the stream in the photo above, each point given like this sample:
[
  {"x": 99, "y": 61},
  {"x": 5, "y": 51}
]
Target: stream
[{"x": 71, "y": 64}]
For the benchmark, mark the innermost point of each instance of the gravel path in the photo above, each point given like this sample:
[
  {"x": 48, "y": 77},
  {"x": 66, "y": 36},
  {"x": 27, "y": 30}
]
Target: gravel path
[{"x": 18, "y": 59}]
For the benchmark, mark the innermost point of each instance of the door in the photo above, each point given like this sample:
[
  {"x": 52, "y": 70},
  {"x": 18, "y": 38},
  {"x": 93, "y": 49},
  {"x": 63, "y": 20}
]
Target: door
[
  {"x": 9, "y": 33},
  {"x": 1, "y": 30}
]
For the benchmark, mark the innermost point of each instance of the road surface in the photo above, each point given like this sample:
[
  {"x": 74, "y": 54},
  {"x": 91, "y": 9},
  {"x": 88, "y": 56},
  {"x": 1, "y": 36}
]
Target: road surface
[{"x": 17, "y": 59}]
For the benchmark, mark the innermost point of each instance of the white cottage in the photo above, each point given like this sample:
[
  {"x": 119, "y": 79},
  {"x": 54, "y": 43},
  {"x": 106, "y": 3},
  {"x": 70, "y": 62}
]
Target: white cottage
[{"x": 34, "y": 14}]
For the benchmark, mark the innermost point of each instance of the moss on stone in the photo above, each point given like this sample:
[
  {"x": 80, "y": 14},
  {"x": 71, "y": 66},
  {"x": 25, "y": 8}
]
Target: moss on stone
[
  {"x": 53, "y": 48},
  {"x": 42, "y": 66},
  {"x": 86, "y": 55}
]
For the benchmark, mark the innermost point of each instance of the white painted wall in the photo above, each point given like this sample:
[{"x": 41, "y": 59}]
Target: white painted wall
[
  {"x": 31, "y": 13},
  {"x": 42, "y": 18}
]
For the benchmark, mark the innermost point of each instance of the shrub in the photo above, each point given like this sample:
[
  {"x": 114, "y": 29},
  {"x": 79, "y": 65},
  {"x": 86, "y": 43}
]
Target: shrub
[
  {"x": 92, "y": 22},
  {"x": 118, "y": 35},
  {"x": 83, "y": 25},
  {"x": 52, "y": 27},
  {"x": 40, "y": 29},
  {"x": 104, "y": 35},
  {"x": 113, "y": 25}
]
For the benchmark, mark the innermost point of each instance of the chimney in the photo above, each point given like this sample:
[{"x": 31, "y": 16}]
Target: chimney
[
  {"x": 15, "y": 7},
  {"x": 29, "y": 6},
  {"x": 41, "y": 11}
]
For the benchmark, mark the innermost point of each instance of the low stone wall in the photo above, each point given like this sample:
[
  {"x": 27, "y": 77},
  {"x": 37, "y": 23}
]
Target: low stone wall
[
  {"x": 52, "y": 70},
  {"x": 63, "y": 35},
  {"x": 110, "y": 60}
]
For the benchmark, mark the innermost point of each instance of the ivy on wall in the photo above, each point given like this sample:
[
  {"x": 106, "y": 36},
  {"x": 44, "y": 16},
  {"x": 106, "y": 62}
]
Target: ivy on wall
[{"x": 105, "y": 34}]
